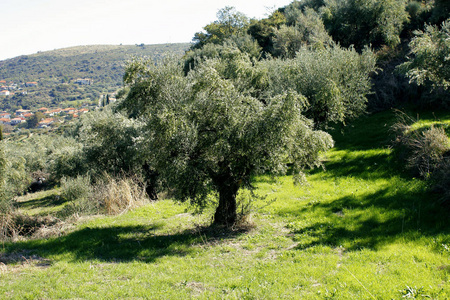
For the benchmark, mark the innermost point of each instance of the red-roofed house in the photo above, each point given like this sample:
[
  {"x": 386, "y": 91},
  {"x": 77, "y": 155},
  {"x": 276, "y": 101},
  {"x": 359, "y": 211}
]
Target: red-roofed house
[
  {"x": 45, "y": 123},
  {"x": 21, "y": 112},
  {"x": 53, "y": 112},
  {"x": 16, "y": 121},
  {"x": 83, "y": 110},
  {"x": 5, "y": 121},
  {"x": 68, "y": 110}
]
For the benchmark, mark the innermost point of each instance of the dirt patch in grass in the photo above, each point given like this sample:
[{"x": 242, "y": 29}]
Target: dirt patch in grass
[{"x": 196, "y": 288}]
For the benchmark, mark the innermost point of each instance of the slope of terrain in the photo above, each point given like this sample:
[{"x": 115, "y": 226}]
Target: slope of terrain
[
  {"x": 56, "y": 72},
  {"x": 360, "y": 229}
]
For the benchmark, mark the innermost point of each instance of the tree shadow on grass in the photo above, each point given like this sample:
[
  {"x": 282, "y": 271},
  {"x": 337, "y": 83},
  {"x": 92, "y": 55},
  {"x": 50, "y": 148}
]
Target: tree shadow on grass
[
  {"x": 120, "y": 243},
  {"x": 47, "y": 201},
  {"x": 364, "y": 166},
  {"x": 373, "y": 220},
  {"x": 365, "y": 133}
]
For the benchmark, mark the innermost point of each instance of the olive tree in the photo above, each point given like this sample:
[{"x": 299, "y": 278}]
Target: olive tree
[
  {"x": 307, "y": 29},
  {"x": 108, "y": 141},
  {"x": 430, "y": 60},
  {"x": 334, "y": 80},
  {"x": 229, "y": 22},
  {"x": 208, "y": 135},
  {"x": 364, "y": 22},
  {"x": 111, "y": 145}
]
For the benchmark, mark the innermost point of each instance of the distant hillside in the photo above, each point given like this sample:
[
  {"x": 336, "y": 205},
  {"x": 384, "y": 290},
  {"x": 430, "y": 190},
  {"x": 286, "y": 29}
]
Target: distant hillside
[{"x": 56, "y": 73}]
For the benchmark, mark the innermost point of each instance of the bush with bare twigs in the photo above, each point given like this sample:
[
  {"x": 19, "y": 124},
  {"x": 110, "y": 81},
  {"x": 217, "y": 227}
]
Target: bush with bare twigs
[
  {"x": 426, "y": 152},
  {"x": 423, "y": 150},
  {"x": 16, "y": 225}
]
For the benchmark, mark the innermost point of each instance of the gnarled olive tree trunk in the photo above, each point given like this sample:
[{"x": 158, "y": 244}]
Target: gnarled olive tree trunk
[{"x": 227, "y": 186}]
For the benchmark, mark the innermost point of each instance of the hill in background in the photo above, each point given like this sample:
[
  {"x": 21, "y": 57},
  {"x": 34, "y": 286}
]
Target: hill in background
[{"x": 56, "y": 74}]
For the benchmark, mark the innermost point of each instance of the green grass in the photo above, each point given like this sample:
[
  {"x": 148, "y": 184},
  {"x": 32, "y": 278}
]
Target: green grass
[
  {"x": 41, "y": 203},
  {"x": 361, "y": 229}
]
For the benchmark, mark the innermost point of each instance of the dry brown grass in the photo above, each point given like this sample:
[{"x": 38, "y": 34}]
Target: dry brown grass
[
  {"x": 118, "y": 195},
  {"x": 15, "y": 226}
]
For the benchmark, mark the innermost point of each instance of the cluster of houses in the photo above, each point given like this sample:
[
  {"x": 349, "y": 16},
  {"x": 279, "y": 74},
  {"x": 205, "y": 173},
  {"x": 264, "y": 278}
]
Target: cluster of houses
[
  {"x": 21, "y": 115},
  {"x": 9, "y": 88}
]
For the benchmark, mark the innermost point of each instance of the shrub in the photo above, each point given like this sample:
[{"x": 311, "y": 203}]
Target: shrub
[
  {"x": 427, "y": 150},
  {"x": 430, "y": 64},
  {"x": 110, "y": 142},
  {"x": 78, "y": 193},
  {"x": 4, "y": 207},
  {"x": 424, "y": 151},
  {"x": 67, "y": 161},
  {"x": 248, "y": 202},
  {"x": 31, "y": 157},
  {"x": 335, "y": 81},
  {"x": 308, "y": 29},
  {"x": 76, "y": 188}
]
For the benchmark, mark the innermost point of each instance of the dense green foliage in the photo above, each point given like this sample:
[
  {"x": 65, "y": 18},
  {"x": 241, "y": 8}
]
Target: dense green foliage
[
  {"x": 334, "y": 80},
  {"x": 229, "y": 23},
  {"x": 37, "y": 156},
  {"x": 374, "y": 23},
  {"x": 56, "y": 71},
  {"x": 307, "y": 29},
  {"x": 430, "y": 61},
  {"x": 206, "y": 132},
  {"x": 361, "y": 23},
  {"x": 109, "y": 144}
]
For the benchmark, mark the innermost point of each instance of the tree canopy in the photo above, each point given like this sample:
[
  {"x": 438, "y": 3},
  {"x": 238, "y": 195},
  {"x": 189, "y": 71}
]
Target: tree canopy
[
  {"x": 206, "y": 134},
  {"x": 430, "y": 56},
  {"x": 229, "y": 22}
]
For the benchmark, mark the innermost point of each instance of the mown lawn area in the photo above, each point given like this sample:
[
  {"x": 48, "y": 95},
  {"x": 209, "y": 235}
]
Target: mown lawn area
[{"x": 362, "y": 228}]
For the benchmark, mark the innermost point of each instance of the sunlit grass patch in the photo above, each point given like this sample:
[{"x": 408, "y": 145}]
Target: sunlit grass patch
[{"x": 41, "y": 203}]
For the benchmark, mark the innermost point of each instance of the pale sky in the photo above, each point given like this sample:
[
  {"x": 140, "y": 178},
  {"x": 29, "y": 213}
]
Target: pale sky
[{"x": 29, "y": 26}]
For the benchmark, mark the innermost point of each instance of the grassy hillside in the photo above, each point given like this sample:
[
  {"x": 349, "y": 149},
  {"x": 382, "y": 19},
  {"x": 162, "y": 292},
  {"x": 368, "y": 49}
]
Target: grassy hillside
[
  {"x": 360, "y": 229},
  {"x": 56, "y": 72}
]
